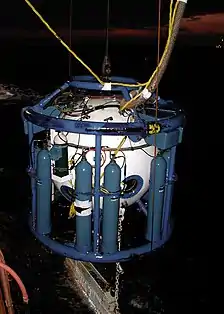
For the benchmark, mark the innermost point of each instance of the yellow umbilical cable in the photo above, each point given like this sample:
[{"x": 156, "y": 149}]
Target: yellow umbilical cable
[
  {"x": 74, "y": 54},
  {"x": 120, "y": 145},
  {"x": 170, "y": 15},
  {"x": 62, "y": 42},
  {"x": 167, "y": 43},
  {"x": 82, "y": 62},
  {"x": 171, "y": 20},
  {"x": 117, "y": 150}
]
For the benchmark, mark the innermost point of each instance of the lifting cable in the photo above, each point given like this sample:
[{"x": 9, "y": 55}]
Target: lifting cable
[
  {"x": 171, "y": 20},
  {"x": 106, "y": 68},
  {"x": 70, "y": 39},
  {"x": 172, "y": 13},
  {"x": 107, "y": 29}
]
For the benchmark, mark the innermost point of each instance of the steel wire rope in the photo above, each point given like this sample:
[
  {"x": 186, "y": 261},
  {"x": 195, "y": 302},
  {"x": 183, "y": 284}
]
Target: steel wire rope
[{"x": 146, "y": 84}]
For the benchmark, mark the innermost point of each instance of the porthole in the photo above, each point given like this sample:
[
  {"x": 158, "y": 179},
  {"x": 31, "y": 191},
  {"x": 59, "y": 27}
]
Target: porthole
[{"x": 131, "y": 186}]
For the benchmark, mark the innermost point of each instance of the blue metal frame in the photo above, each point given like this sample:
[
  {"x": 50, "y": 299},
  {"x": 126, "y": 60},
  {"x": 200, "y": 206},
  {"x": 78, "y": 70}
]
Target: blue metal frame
[
  {"x": 69, "y": 250},
  {"x": 38, "y": 117}
]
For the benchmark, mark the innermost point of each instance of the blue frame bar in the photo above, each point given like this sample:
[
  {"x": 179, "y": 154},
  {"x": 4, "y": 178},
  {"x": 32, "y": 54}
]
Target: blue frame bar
[
  {"x": 32, "y": 176},
  {"x": 37, "y": 118},
  {"x": 69, "y": 250},
  {"x": 83, "y": 127},
  {"x": 96, "y": 209}
]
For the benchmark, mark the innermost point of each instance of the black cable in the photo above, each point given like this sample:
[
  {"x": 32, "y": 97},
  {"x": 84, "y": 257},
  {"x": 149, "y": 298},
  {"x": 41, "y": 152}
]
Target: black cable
[
  {"x": 147, "y": 153},
  {"x": 30, "y": 152},
  {"x": 70, "y": 39},
  {"x": 79, "y": 136},
  {"x": 107, "y": 29},
  {"x": 106, "y": 68},
  {"x": 124, "y": 160}
]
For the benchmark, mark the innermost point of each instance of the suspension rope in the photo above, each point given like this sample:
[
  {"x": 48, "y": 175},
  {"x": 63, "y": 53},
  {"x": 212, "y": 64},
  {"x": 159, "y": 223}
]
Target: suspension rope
[
  {"x": 172, "y": 14},
  {"x": 70, "y": 39},
  {"x": 106, "y": 66},
  {"x": 107, "y": 29},
  {"x": 90, "y": 70}
]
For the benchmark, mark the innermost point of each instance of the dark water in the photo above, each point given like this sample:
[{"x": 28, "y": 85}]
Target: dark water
[{"x": 175, "y": 279}]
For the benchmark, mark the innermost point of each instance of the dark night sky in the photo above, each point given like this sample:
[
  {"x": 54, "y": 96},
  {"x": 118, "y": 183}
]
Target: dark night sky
[
  {"x": 91, "y": 14},
  {"x": 18, "y": 21}
]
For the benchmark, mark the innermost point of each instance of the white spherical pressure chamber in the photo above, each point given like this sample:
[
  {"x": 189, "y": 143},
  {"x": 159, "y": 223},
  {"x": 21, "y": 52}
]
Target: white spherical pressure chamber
[{"x": 132, "y": 155}]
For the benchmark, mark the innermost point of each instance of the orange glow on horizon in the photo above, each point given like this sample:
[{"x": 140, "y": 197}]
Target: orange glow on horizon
[{"x": 208, "y": 24}]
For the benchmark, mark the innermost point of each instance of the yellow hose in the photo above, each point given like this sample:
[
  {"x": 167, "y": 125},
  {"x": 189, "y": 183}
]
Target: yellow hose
[{"x": 84, "y": 64}]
